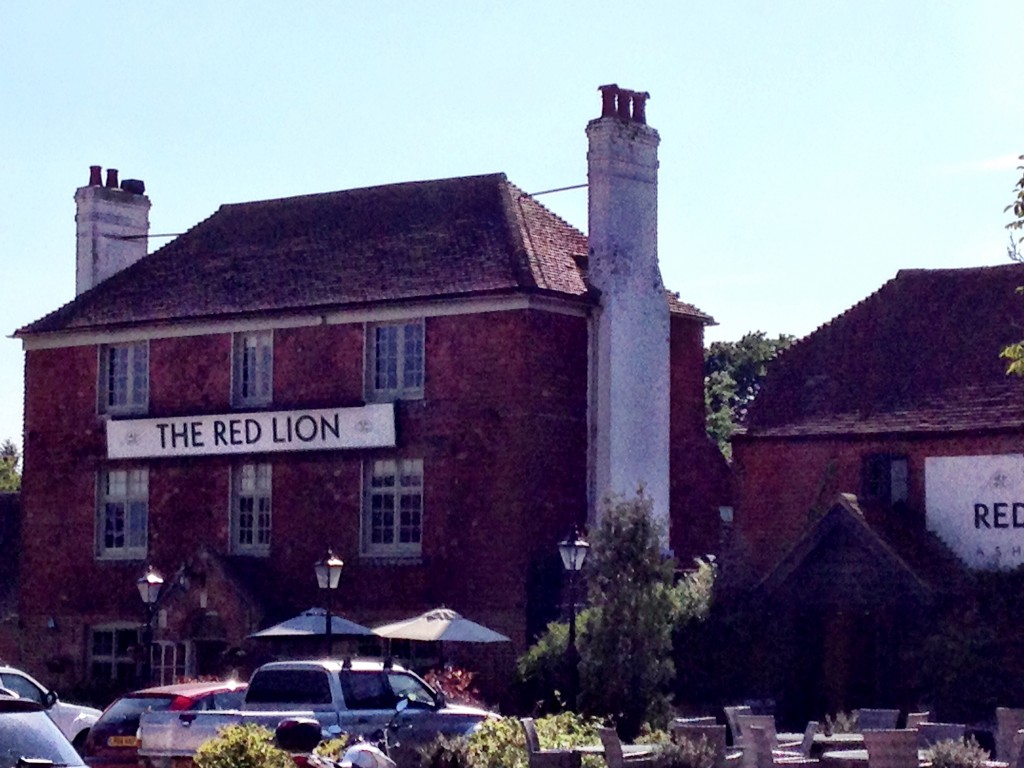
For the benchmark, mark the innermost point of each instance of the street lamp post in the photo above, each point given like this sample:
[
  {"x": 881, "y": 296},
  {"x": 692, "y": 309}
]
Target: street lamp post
[
  {"x": 149, "y": 590},
  {"x": 328, "y": 575},
  {"x": 573, "y": 551}
]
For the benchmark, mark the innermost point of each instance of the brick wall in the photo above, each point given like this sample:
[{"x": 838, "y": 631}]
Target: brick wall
[
  {"x": 501, "y": 430},
  {"x": 700, "y": 478},
  {"x": 780, "y": 482}
]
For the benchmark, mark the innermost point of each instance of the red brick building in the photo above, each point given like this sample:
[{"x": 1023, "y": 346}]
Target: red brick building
[
  {"x": 902, "y": 403},
  {"x": 404, "y": 374}
]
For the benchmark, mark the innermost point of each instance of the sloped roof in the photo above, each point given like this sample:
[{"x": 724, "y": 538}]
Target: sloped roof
[
  {"x": 919, "y": 355},
  {"x": 841, "y": 559},
  {"x": 465, "y": 236}
]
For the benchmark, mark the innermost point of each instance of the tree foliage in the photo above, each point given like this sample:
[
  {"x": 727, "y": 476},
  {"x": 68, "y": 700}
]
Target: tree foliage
[
  {"x": 10, "y": 478},
  {"x": 733, "y": 372},
  {"x": 1014, "y": 353},
  {"x": 626, "y": 652}
]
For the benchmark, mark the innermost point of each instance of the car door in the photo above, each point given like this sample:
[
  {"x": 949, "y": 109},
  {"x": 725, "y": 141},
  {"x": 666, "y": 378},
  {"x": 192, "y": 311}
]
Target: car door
[{"x": 369, "y": 701}]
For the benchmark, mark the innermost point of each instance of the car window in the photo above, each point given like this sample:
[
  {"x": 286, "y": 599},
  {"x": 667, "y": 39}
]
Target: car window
[
  {"x": 127, "y": 709},
  {"x": 366, "y": 690},
  {"x": 412, "y": 688},
  {"x": 225, "y": 700},
  {"x": 289, "y": 686},
  {"x": 33, "y": 735},
  {"x": 22, "y": 686}
]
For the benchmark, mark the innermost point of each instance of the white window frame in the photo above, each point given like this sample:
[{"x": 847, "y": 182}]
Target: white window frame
[
  {"x": 126, "y": 389},
  {"x": 395, "y": 360},
  {"x": 393, "y": 508},
  {"x": 128, "y": 488},
  {"x": 251, "y": 497},
  {"x": 252, "y": 369},
  {"x": 171, "y": 661},
  {"x": 125, "y": 657}
]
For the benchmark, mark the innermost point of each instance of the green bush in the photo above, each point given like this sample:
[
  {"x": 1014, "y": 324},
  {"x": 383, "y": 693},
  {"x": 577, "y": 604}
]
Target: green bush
[
  {"x": 501, "y": 743},
  {"x": 333, "y": 748},
  {"x": 444, "y": 752},
  {"x": 243, "y": 746},
  {"x": 957, "y": 754},
  {"x": 686, "y": 753}
]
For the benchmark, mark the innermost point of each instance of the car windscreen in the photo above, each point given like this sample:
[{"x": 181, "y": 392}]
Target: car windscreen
[
  {"x": 127, "y": 709},
  {"x": 33, "y": 735}
]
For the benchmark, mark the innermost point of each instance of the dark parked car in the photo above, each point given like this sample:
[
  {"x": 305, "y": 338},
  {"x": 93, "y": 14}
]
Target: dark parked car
[
  {"x": 28, "y": 734},
  {"x": 113, "y": 741}
]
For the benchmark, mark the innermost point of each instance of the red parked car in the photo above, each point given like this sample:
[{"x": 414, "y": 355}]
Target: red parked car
[{"x": 113, "y": 741}]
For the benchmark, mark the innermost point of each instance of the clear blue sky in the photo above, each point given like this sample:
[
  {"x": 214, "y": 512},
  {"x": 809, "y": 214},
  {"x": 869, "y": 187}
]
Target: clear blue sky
[{"x": 810, "y": 149}]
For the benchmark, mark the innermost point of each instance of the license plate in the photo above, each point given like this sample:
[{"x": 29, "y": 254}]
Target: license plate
[{"x": 122, "y": 741}]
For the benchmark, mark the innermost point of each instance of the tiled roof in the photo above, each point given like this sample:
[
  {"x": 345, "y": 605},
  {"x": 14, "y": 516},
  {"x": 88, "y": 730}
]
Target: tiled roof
[
  {"x": 466, "y": 236},
  {"x": 451, "y": 237},
  {"x": 919, "y": 355}
]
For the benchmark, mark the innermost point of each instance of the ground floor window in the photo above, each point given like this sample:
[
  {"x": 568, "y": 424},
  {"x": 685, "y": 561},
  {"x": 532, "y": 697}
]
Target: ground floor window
[
  {"x": 113, "y": 653},
  {"x": 171, "y": 662}
]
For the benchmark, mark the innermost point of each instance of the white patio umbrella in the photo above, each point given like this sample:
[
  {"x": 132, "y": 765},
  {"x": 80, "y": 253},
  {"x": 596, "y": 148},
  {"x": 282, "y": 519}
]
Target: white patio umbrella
[
  {"x": 313, "y": 623},
  {"x": 440, "y": 625}
]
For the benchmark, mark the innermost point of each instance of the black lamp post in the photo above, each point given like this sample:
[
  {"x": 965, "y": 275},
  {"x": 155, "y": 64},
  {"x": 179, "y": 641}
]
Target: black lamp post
[
  {"x": 149, "y": 590},
  {"x": 328, "y": 575},
  {"x": 574, "y": 552}
]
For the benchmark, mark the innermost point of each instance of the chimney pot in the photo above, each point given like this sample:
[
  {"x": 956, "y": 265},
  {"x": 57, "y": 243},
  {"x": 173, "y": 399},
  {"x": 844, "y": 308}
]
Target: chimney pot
[
  {"x": 94, "y": 176},
  {"x": 608, "y": 99},
  {"x": 640, "y": 107},
  {"x": 135, "y": 186},
  {"x": 112, "y": 178}
]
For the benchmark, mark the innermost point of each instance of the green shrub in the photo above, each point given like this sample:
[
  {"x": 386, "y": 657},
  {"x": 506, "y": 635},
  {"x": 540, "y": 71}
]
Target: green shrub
[
  {"x": 444, "y": 752},
  {"x": 501, "y": 744},
  {"x": 242, "y": 746},
  {"x": 333, "y": 748},
  {"x": 686, "y": 753},
  {"x": 957, "y": 754}
]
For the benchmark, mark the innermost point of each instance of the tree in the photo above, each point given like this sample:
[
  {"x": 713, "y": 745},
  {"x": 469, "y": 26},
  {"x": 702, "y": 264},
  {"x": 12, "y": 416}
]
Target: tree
[
  {"x": 1015, "y": 352},
  {"x": 626, "y": 652},
  {"x": 733, "y": 372},
  {"x": 10, "y": 479}
]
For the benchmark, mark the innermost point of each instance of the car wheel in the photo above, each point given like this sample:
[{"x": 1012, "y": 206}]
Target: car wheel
[{"x": 79, "y": 741}]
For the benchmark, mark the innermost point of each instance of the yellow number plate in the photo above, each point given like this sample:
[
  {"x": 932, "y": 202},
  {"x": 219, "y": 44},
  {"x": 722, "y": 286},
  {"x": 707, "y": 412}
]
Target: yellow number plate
[{"x": 122, "y": 741}]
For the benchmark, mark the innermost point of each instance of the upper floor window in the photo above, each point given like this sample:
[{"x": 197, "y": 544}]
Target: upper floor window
[
  {"x": 124, "y": 378},
  {"x": 252, "y": 373},
  {"x": 394, "y": 366},
  {"x": 250, "y": 509},
  {"x": 885, "y": 478},
  {"x": 393, "y": 508},
  {"x": 122, "y": 513}
]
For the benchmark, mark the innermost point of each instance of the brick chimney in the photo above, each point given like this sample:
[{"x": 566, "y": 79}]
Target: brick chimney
[
  {"x": 112, "y": 222},
  {"x": 629, "y": 394}
]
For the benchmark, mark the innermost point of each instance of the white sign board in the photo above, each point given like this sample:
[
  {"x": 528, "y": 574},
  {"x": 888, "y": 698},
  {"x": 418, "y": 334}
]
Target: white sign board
[
  {"x": 368, "y": 426},
  {"x": 975, "y": 504}
]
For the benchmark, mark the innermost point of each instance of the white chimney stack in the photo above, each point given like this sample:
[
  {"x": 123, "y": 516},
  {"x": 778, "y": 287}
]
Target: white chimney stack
[
  {"x": 113, "y": 225},
  {"x": 629, "y": 398}
]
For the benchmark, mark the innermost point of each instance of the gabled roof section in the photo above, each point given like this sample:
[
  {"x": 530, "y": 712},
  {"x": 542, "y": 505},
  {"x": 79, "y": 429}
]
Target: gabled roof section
[
  {"x": 453, "y": 237},
  {"x": 841, "y": 559},
  {"x": 919, "y": 355}
]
